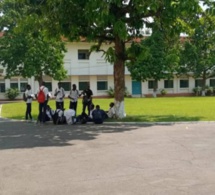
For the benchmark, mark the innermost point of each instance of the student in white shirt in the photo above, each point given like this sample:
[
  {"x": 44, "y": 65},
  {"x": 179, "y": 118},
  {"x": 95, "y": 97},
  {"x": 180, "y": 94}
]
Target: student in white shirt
[
  {"x": 49, "y": 113},
  {"x": 28, "y": 96},
  {"x": 70, "y": 116},
  {"x": 42, "y": 105},
  {"x": 73, "y": 95},
  {"x": 59, "y": 94},
  {"x": 111, "y": 112},
  {"x": 92, "y": 108}
]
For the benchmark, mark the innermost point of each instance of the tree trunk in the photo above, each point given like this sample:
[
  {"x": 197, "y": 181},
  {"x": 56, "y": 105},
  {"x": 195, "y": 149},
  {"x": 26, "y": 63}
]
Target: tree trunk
[
  {"x": 119, "y": 78},
  {"x": 39, "y": 78}
]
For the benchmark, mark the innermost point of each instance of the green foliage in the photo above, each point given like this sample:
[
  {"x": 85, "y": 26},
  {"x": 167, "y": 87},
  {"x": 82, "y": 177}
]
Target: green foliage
[
  {"x": 154, "y": 58},
  {"x": 11, "y": 93},
  {"x": 25, "y": 48},
  {"x": 163, "y": 92},
  {"x": 198, "y": 52},
  {"x": 111, "y": 92},
  {"x": 115, "y": 22},
  {"x": 209, "y": 91},
  {"x": 197, "y": 91}
]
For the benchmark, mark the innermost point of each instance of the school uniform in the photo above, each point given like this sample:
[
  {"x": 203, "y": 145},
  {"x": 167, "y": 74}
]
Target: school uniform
[
  {"x": 73, "y": 95},
  {"x": 59, "y": 93},
  {"x": 29, "y": 97},
  {"x": 43, "y": 106}
]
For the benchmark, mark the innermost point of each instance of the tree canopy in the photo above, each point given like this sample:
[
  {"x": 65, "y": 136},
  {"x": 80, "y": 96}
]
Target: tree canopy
[
  {"x": 198, "y": 52},
  {"x": 25, "y": 48},
  {"x": 117, "y": 22},
  {"x": 155, "y": 57}
]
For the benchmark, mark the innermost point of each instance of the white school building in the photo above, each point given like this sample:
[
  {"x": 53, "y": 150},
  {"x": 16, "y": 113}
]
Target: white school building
[{"x": 93, "y": 69}]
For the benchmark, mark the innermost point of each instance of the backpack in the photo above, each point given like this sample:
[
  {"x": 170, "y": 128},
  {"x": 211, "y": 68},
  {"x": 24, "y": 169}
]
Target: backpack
[
  {"x": 58, "y": 117},
  {"x": 83, "y": 120},
  {"x": 41, "y": 96},
  {"x": 24, "y": 97}
]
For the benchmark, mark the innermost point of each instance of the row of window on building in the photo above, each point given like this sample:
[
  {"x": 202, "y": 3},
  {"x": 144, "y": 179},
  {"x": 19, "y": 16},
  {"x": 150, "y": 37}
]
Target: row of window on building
[
  {"x": 103, "y": 85},
  {"x": 184, "y": 83}
]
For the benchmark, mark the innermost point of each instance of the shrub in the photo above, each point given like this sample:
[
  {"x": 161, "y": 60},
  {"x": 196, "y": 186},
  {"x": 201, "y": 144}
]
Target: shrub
[
  {"x": 111, "y": 92},
  {"x": 197, "y": 91},
  {"x": 163, "y": 92},
  {"x": 209, "y": 90},
  {"x": 11, "y": 93}
]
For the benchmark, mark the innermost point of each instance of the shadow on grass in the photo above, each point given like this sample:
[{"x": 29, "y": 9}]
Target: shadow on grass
[
  {"x": 160, "y": 118},
  {"x": 14, "y": 135}
]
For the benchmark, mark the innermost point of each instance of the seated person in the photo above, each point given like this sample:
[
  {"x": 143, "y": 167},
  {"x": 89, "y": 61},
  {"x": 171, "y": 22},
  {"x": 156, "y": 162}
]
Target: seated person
[
  {"x": 98, "y": 115},
  {"x": 83, "y": 118},
  {"x": 49, "y": 113},
  {"x": 70, "y": 115},
  {"x": 92, "y": 108},
  {"x": 111, "y": 113}
]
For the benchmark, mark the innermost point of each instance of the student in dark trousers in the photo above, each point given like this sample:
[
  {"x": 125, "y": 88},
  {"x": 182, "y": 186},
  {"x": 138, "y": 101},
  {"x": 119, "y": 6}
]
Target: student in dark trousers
[
  {"x": 28, "y": 96},
  {"x": 59, "y": 94},
  {"x": 73, "y": 95},
  {"x": 87, "y": 99},
  {"x": 42, "y": 105}
]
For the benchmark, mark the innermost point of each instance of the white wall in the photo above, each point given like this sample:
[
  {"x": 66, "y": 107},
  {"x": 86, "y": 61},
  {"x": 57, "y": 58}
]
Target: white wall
[{"x": 94, "y": 67}]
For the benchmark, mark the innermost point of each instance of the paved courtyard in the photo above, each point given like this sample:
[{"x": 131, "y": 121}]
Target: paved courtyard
[{"x": 117, "y": 159}]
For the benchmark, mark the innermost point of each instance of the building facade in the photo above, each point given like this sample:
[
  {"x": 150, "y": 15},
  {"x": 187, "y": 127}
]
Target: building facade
[{"x": 83, "y": 68}]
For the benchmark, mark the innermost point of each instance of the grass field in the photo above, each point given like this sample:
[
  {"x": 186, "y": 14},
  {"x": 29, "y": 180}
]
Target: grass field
[{"x": 165, "y": 109}]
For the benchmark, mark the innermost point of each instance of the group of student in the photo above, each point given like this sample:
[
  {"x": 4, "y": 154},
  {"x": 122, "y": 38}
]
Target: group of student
[{"x": 69, "y": 116}]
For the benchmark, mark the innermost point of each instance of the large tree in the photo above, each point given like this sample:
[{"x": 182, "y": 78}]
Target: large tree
[
  {"x": 198, "y": 52},
  {"x": 25, "y": 48},
  {"x": 111, "y": 21},
  {"x": 114, "y": 21}
]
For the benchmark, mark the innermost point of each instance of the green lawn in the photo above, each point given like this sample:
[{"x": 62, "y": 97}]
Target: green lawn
[{"x": 139, "y": 109}]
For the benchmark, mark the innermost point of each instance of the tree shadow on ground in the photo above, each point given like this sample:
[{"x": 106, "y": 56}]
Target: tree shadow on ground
[{"x": 17, "y": 134}]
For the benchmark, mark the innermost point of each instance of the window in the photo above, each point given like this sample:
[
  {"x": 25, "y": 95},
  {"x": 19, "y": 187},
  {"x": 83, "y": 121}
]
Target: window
[
  {"x": 212, "y": 82},
  {"x": 102, "y": 85},
  {"x": 82, "y": 85},
  {"x": 83, "y": 54},
  {"x": 168, "y": 83},
  {"x": 66, "y": 86},
  {"x": 2, "y": 87},
  {"x": 23, "y": 87},
  {"x": 14, "y": 85},
  {"x": 184, "y": 83},
  {"x": 198, "y": 83},
  {"x": 151, "y": 84},
  {"x": 49, "y": 85}
]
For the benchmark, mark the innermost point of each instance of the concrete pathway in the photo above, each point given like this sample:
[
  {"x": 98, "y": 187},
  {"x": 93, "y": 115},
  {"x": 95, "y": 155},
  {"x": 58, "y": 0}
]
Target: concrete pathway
[{"x": 168, "y": 159}]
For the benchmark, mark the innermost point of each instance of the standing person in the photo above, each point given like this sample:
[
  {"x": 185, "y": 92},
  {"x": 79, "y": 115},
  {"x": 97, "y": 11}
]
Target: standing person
[
  {"x": 59, "y": 94},
  {"x": 87, "y": 99},
  {"x": 73, "y": 95},
  {"x": 28, "y": 99},
  {"x": 42, "y": 98}
]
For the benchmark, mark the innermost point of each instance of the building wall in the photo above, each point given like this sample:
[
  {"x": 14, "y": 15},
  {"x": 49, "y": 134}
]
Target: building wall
[{"x": 93, "y": 70}]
